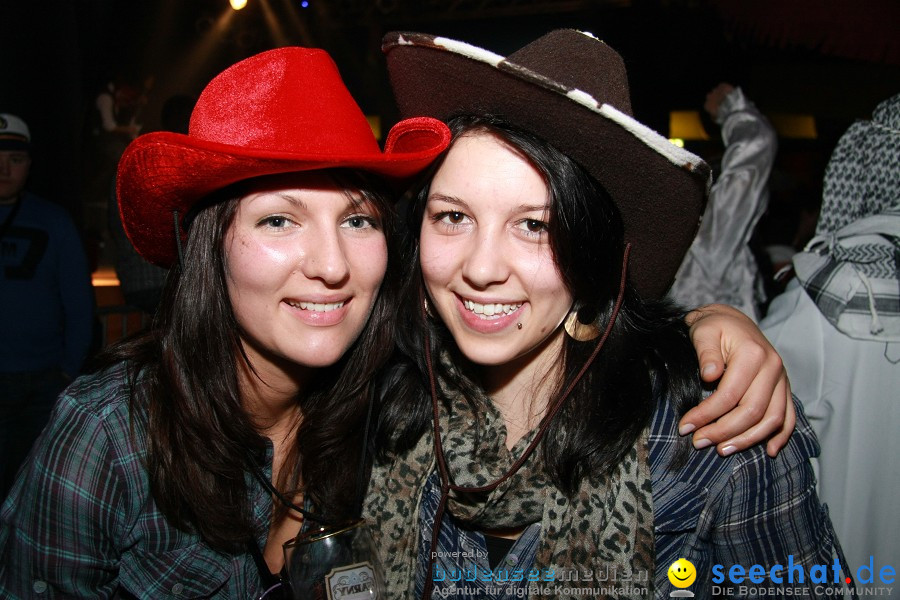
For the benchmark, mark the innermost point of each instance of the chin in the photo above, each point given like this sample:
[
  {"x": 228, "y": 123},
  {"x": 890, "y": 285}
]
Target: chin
[
  {"x": 500, "y": 352},
  {"x": 319, "y": 359},
  {"x": 485, "y": 355}
]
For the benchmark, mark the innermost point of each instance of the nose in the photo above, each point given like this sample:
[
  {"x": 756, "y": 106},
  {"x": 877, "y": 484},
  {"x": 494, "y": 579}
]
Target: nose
[
  {"x": 325, "y": 258},
  {"x": 4, "y": 166},
  {"x": 485, "y": 263}
]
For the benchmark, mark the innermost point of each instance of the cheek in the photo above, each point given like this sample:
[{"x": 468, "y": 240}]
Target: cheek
[
  {"x": 250, "y": 266},
  {"x": 438, "y": 259},
  {"x": 369, "y": 264},
  {"x": 549, "y": 284},
  {"x": 17, "y": 175},
  {"x": 17, "y": 171},
  {"x": 239, "y": 276},
  {"x": 248, "y": 257}
]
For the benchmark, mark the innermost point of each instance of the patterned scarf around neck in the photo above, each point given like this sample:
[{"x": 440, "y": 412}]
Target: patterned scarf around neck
[{"x": 605, "y": 527}]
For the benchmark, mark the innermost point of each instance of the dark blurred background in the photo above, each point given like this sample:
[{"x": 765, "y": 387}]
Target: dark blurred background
[{"x": 828, "y": 60}]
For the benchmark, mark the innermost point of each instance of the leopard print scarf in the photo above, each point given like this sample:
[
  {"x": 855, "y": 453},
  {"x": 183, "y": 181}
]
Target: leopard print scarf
[{"x": 600, "y": 538}]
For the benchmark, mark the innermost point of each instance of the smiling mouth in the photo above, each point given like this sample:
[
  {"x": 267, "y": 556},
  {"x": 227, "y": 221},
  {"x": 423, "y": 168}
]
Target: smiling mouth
[
  {"x": 686, "y": 577},
  {"x": 316, "y": 306},
  {"x": 490, "y": 311}
]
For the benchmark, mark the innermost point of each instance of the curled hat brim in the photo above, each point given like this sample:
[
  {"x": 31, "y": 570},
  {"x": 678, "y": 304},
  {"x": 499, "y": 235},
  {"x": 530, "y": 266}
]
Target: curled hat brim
[
  {"x": 162, "y": 173},
  {"x": 659, "y": 189}
]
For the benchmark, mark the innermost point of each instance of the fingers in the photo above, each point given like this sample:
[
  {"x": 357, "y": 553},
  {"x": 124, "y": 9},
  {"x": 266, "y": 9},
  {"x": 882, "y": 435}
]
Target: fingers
[
  {"x": 780, "y": 439},
  {"x": 749, "y": 403},
  {"x": 771, "y": 423},
  {"x": 717, "y": 405},
  {"x": 712, "y": 366},
  {"x": 707, "y": 342},
  {"x": 707, "y": 336},
  {"x": 752, "y": 402}
]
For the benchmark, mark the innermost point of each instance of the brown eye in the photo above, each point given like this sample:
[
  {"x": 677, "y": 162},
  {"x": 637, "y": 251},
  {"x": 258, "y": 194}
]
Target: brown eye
[
  {"x": 535, "y": 226},
  {"x": 532, "y": 227},
  {"x": 451, "y": 219}
]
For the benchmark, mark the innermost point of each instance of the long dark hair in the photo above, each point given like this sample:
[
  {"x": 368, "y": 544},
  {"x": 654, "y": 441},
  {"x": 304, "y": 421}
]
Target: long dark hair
[
  {"x": 647, "y": 356},
  {"x": 186, "y": 404}
]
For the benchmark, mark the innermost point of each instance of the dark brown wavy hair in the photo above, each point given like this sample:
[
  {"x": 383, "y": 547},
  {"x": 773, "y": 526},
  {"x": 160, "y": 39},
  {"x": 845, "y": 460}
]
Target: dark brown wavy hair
[
  {"x": 185, "y": 400},
  {"x": 647, "y": 356}
]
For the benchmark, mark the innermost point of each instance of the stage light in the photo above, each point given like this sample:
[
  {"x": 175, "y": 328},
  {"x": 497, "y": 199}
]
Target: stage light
[{"x": 238, "y": 4}]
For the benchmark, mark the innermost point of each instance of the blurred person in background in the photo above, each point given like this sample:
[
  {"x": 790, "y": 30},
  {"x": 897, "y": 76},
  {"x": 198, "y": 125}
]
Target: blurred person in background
[
  {"x": 142, "y": 282},
  {"x": 719, "y": 266},
  {"x": 46, "y": 302},
  {"x": 837, "y": 327}
]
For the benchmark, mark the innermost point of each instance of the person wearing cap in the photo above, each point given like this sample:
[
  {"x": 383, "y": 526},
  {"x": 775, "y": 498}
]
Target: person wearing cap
[
  {"x": 530, "y": 444},
  {"x": 46, "y": 302},
  {"x": 157, "y": 474},
  {"x": 837, "y": 326}
]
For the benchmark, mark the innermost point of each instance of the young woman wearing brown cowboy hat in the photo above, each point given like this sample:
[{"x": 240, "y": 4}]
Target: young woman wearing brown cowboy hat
[
  {"x": 530, "y": 444},
  {"x": 154, "y": 477}
]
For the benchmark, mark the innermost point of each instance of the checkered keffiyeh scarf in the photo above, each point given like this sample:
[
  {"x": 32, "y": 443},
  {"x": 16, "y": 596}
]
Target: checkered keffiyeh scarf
[{"x": 851, "y": 269}]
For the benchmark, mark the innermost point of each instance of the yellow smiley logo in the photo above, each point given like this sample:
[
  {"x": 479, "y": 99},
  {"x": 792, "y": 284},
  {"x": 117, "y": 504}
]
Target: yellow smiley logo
[{"x": 682, "y": 573}]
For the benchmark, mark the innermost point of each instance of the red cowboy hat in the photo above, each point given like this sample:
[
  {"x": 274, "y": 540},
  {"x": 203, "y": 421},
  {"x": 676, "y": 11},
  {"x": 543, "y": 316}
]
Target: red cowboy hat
[
  {"x": 280, "y": 111},
  {"x": 571, "y": 89}
]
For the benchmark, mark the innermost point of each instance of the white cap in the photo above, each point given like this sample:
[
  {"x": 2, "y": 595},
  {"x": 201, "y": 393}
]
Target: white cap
[{"x": 14, "y": 133}]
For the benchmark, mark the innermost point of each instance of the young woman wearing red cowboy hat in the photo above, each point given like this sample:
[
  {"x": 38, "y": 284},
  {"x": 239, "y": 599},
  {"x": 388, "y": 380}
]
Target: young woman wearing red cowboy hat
[
  {"x": 155, "y": 476},
  {"x": 278, "y": 312},
  {"x": 530, "y": 444}
]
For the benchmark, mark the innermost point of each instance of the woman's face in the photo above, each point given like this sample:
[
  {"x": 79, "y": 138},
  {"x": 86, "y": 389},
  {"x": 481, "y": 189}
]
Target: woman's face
[
  {"x": 304, "y": 264},
  {"x": 485, "y": 253}
]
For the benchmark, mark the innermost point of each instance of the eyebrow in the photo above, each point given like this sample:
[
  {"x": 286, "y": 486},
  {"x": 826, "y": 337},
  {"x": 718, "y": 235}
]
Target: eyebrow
[
  {"x": 355, "y": 200},
  {"x": 448, "y": 199},
  {"x": 286, "y": 197},
  {"x": 533, "y": 207},
  {"x": 457, "y": 202}
]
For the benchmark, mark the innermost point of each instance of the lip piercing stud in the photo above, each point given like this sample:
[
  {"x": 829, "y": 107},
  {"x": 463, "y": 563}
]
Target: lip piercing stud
[{"x": 518, "y": 326}]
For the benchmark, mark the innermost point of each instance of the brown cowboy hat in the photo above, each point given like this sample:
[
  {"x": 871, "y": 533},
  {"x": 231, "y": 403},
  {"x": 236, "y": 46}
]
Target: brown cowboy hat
[
  {"x": 572, "y": 90},
  {"x": 280, "y": 111}
]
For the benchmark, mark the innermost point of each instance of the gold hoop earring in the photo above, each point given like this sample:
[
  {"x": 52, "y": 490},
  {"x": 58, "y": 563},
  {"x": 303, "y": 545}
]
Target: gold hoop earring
[
  {"x": 578, "y": 331},
  {"x": 426, "y": 307}
]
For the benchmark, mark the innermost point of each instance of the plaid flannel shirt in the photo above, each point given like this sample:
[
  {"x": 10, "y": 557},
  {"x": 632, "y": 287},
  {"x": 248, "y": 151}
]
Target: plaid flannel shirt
[
  {"x": 81, "y": 522},
  {"x": 746, "y": 509}
]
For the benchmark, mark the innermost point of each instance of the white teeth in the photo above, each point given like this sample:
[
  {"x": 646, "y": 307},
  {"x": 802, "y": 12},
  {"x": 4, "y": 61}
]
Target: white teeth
[
  {"x": 490, "y": 310},
  {"x": 317, "y": 306}
]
